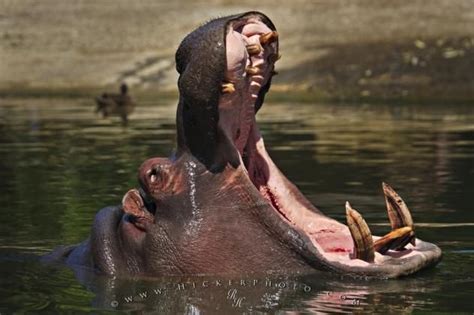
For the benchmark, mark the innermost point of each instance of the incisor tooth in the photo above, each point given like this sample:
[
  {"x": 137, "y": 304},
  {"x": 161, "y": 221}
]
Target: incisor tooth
[
  {"x": 252, "y": 70},
  {"x": 269, "y": 37},
  {"x": 398, "y": 212},
  {"x": 254, "y": 49},
  {"x": 360, "y": 232},
  {"x": 396, "y": 239},
  {"x": 228, "y": 88}
]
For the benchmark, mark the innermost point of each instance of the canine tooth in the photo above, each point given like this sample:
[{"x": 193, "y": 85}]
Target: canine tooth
[
  {"x": 396, "y": 239},
  {"x": 360, "y": 232},
  {"x": 398, "y": 212},
  {"x": 269, "y": 37},
  {"x": 228, "y": 88},
  {"x": 254, "y": 49},
  {"x": 252, "y": 70}
]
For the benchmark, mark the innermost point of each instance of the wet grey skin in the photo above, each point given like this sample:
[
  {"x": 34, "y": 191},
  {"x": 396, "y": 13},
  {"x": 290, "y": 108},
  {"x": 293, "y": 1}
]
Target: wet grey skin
[{"x": 220, "y": 205}]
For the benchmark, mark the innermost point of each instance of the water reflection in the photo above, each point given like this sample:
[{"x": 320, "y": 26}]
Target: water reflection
[{"x": 60, "y": 164}]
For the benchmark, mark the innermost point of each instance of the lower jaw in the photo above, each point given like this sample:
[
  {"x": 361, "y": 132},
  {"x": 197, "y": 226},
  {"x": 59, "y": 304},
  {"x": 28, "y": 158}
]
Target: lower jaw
[
  {"x": 325, "y": 233},
  {"x": 331, "y": 239}
]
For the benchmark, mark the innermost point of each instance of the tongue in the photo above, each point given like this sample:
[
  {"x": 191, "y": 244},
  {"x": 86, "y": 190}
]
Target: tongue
[{"x": 285, "y": 197}]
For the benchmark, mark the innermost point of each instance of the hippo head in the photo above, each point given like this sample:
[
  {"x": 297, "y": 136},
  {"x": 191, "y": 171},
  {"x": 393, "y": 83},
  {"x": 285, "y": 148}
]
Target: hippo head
[{"x": 220, "y": 205}]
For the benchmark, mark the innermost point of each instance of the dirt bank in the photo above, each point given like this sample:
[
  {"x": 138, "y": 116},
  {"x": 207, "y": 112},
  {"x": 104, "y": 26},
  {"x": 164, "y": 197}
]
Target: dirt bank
[{"x": 342, "y": 49}]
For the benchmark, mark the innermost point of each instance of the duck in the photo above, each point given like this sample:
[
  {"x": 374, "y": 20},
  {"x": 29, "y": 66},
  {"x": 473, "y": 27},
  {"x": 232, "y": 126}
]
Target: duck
[{"x": 115, "y": 104}]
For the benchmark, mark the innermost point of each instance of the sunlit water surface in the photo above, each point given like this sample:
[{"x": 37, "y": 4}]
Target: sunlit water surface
[{"x": 59, "y": 164}]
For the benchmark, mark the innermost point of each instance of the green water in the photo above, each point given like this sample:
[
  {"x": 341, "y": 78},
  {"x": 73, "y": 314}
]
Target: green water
[{"x": 59, "y": 164}]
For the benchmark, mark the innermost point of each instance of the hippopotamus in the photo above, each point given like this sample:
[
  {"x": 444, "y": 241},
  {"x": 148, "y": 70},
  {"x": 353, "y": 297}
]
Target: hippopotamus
[{"x": 219, "y": 204}]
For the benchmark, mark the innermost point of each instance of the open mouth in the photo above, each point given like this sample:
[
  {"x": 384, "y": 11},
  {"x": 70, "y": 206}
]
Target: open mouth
[
  {"x": 251, "y": 46},
  {"x": 251, "y": 51}
]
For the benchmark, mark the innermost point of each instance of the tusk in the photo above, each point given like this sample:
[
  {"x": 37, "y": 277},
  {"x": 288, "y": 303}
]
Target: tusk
[
  {"x": 228, "y": 88},
  {"x": 254, "y": 49},
  {"x": 397, "y": 239},
  {"x": 398, "y": 212},
  {"x": 269, "y": 37},
  {"x": 360, "y": 232}
]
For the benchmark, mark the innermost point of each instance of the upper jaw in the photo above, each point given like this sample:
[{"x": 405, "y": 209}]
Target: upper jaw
[
  {"x": 251, "y": 50},
  {"x": 201, "y": 61}
]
